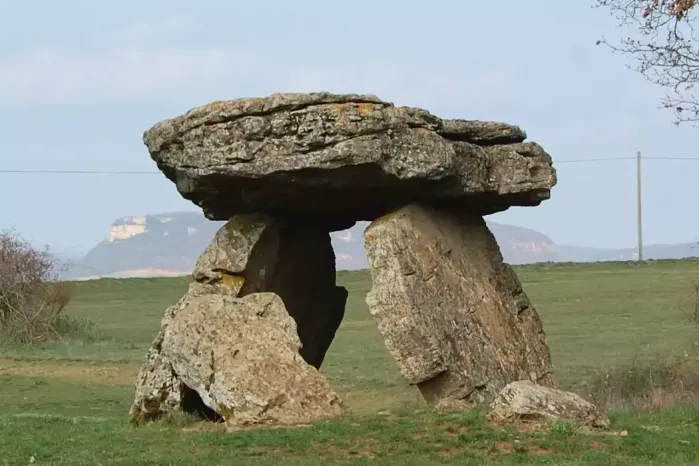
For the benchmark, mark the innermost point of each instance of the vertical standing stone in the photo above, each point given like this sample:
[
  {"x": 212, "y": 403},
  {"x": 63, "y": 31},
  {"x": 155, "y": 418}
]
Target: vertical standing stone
[
  {"x": 297, "y": 262},
  {"x": 452, "y": 314},
  {"x": 292, "y": 259},
  {"x": 250, "y": 255}
]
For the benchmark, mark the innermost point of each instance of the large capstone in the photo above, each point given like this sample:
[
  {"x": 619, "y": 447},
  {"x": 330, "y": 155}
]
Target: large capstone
[
  {"x": 452, "y": 314},
  {"x": 343, "y": 158}
]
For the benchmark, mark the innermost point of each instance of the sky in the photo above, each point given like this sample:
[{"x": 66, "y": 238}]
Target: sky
[{"x": 81, "y": 80}]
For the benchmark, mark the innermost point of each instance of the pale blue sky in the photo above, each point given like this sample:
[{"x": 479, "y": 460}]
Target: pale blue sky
[{"x": 80, "y": 81}]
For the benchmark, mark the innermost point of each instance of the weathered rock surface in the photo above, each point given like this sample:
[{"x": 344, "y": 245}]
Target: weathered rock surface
[
  {"x": 158, "y": 388},
  {"x": 294, "y": 260},
  {"x": 226, "y": 258},
  {"x": 529, "y": 402},
  {"x": 343, "y": 158},
  {"x": 250, "y": 255},
  {"x": 452, "y": 314},
  {"x": 241, "y": 356},
  {"x": 297, "y": 262}
]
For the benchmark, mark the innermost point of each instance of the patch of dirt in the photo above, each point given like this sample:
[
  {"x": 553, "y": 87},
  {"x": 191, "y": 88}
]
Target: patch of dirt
[
  {"x": 234, "y": 428},
  {"x": 539, "y": 450},
  {"x": 369, "y": 400},
  {"x": 451, "y": 430},
  {"x": 447, "y": 430},
  {"x": 205, "y": 427},
  {"x": 520, "y": 426},
  {"x": 265, "y": 452},
  {"x": 505, "y": 448},
  {"x": 221, "y": 427},
  {"x": 100, "y": 373},
  {"x": 335, "y": 452}
]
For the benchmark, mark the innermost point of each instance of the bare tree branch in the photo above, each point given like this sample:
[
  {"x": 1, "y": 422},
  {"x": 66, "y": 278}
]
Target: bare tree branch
[{"x": 666, "y": 50}]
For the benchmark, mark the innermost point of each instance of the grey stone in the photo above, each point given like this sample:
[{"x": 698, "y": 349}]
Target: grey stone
[
  {"x": 453, "y": 316},
  {"x": 249, "y": 255},
  {"x": 256, "y": 254},
  {"x": 246, "y": 342},
  {"x": 159, "y": 390},
  {"x": 241, "y": 356},
  {"x": 525, "y": 401},
  {"x": 482, "y": 132},
  {"x": 297, "y": 263},
  {"x": 225, "y": 259},
  {"x": 337, "y": 159}
]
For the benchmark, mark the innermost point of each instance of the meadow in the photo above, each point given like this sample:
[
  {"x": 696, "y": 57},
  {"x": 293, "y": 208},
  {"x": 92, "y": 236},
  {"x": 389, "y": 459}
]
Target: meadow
[{"x": 68, "y": 403}]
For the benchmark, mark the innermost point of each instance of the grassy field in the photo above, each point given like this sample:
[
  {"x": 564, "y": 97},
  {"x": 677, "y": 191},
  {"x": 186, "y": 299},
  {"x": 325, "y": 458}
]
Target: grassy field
[{"x": 68, "y": 403}]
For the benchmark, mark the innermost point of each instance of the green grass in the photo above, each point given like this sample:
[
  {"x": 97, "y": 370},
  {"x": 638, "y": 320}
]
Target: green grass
[
  {"x": 415, "y": 439},
  {"x": 68, "y": 403}
]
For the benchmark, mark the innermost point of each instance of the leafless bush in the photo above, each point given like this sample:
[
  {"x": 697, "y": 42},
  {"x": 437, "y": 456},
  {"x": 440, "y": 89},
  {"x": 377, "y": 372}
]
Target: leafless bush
[
  {"x": 31, "y": 297},
  {"x": 661, "y": 383},
  {"x": 694, "y": 312},
  {"x": 658, "y": 384}
]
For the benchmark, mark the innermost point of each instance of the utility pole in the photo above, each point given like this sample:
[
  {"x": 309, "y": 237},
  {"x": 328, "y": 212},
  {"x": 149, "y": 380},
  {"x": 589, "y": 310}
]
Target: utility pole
[{"x": 639, "y": 206}]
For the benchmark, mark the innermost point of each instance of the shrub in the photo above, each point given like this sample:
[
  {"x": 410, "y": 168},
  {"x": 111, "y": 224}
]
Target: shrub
[
  {"x": 77, "y": 328},
  {"x": 662, "y": 383},
  {"x": 31, "y": 297}
]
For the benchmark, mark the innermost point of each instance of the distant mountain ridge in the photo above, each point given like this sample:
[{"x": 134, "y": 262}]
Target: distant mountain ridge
[{"x": 169, "y": 244}]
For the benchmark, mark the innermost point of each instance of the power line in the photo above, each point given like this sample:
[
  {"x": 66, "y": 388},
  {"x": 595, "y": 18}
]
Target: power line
[
  {"x": 81, "y": 172},
  {"x": 670, "y": 158},
  {"x": 136, "y": 172},
  {"x": 593, "y": 160},
  {"x": 696, "y": 159}
]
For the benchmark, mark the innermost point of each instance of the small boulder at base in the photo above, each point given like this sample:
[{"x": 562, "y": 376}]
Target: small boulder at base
[{"x": 526, "y": 401}]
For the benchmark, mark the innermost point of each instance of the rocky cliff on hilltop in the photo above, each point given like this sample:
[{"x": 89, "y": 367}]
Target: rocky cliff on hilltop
[
  {"x": 169, "y": 244},
  {"x": 151, "y": 245}
]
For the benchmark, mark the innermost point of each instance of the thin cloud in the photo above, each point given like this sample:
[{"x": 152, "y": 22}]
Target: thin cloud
[
  {"x": 153, "y": 61},
  {"x": 170, "y": 28},
  {"x": 141, "y": 63},
  {"x": 408, "y": 86}
]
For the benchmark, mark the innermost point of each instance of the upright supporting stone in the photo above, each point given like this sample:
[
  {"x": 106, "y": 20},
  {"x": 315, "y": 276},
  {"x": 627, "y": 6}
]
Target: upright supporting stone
[
  {"x": 251, "y": 260},
  {"x": 452, "y": 314},
  {"x": 297, "y": 262},
  {"x": 294, "y": 260}
]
